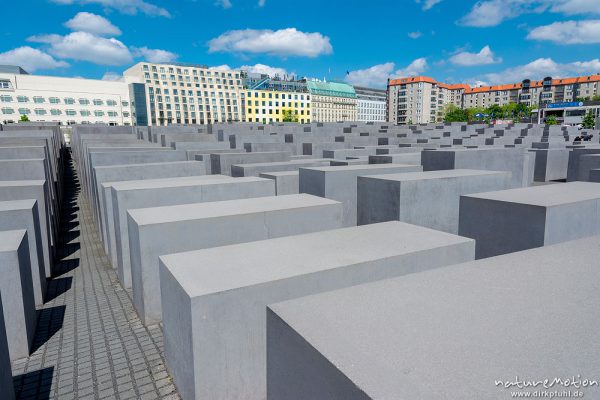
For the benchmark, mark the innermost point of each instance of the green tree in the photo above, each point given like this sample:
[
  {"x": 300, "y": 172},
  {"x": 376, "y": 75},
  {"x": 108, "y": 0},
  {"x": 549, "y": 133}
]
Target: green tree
[
  {"x": 589, "y": 121},
  {"x": 494, "y": 111},
  {"x": 289, "y": 116},
  {"x": 596, "y": 97},
  {"x": 551, "y": 120},
  {"x": 24, "y": 118},
  {"x": 455, "y": 114}
]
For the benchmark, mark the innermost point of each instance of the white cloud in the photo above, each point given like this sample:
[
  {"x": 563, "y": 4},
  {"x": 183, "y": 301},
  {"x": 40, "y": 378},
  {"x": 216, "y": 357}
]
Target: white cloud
[
  {"x": 261, "y": 3},
  {"x": 30, "y": 59},
  {"x": 466, "y": 59},
  {"x": 154, "y": 55},
  {"x": 224, "y": 3},
  {"x": 87, "y": 47},
  {"x": 494, "y": 12},
  {"x": 542, "y": 67},
  {"x": 223, "y": 67},
  {"x": 265, "y": 69},
  {"x": 416, "y": 67},
  {"x": 283, "y": 43},
  {"x": 113, "y": 77},
  {"x": 130, "y": 7},
  {"x": 428, "y": 4},
  {"x": 48, "y": 39},
  {"x": 92, "y": 23},
  {"x": 377, "y": 75},
  {"x": 415, "y": 35},
  {"x": 568, "y": 32}
]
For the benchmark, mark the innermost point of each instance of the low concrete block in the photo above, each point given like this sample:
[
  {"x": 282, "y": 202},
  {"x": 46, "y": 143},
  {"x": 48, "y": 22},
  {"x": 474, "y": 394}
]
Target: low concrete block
[
  {"x": 214, "y": 300},
  {"x": 23, "y": 214},
  {"x": 519, "y": 219},
  {"x": 339, "y": 183},
  {"x": 429, "y": 199},
  {"x": 16, "y": 288},
  {"x": 6, "y": 379},
  {"x": 550, "y": 164},
  {"x": 258, "y": 168},
  {"x": 158, "y": 231},
  {"x": 286, "y": 182},
  {"x": 221, "y": 163},
  {"x": 406, "y": 158},
  {"x": 423, "y": 336},
  {"x": 165, "y": 192}
]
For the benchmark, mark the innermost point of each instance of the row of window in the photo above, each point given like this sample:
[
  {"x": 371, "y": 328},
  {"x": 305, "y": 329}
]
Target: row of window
[
  {"x": 276, "y": 96},
  {"x": 195, "y": 72},
  {"x": 266, "y": 120},
  {"x": 283, "y": 104},
  {"x": 56, "y": 100},
  {"x": 276, "y": 112},
  {"x": 55, "y": 111},
  {"x": 187, "y": 79}
]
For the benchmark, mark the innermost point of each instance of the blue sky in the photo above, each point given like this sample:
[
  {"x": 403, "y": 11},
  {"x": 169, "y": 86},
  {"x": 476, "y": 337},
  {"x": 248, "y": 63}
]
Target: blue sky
[{"x": 478, "y": 42}]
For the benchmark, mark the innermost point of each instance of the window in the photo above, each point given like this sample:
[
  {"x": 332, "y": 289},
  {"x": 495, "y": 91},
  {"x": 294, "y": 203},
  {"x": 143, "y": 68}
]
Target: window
[
  {"x": 4, "y": 84},
  {"x": 6, "y": 99},
  {"x": 40, "y": 111},
  {"x": 55, "y": 111},
  {"x": 38, "y": 100},
  {"x": 85, "y": 113},
  {"x": 84, "y": 102},
  {"x": 22, "y": 99},
  {"x": 125, "y": 114},
  {"x": 71, "y": 112},
  {"x": 54, "y": 100},
  {"x": 98, "y": 113},
  {"x": 125, "y": 103},
  {"x": 112, "y": 114},
  {"x": 98, "y": 102},
  {"x": 24, "y": 111},
  {"x": 111, "y": 103},
  {"x": 69, "y": 100}
]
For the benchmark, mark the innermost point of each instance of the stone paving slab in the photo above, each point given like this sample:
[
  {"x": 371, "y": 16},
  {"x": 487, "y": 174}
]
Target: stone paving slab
[{"x": 89, "y": 342}]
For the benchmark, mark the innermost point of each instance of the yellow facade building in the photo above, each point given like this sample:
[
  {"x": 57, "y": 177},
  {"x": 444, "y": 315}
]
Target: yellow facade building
[{"x": 269, "y": 105}]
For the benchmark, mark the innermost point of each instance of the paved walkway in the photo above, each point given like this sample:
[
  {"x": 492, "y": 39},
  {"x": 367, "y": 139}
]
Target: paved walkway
[{"x": 89, "y": 342}]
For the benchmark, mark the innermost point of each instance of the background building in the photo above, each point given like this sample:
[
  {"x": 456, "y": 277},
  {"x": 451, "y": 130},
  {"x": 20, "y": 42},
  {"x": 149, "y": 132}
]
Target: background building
[
  {"x": 186, "y": 94},
  {"x": 371, "y": 104},
  {"x": 421, "y": 99},
  {"x": 332, "y": 101},
  {"x": 267, "y": 98},
  {"x": 64, "y": 100}
]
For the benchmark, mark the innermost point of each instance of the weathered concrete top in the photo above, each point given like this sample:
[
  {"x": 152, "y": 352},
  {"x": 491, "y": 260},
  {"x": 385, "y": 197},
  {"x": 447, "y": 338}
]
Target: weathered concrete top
[
  {"x": 33, "y": 182},
  {"x": 184, "y": 212},
  {"x": 11, "y": 240},
  {"x": 249, "y": 264},
  {"x": 457, "y": 329},
  {"x": 172, "y": 182},
  {"x": 280, "y": 173},
  {"x": 442, "y": 174},
  {"x": 546, "y": 195},
  {"x": 366, "y": 168},
  {"x": 16, "y": 205}
]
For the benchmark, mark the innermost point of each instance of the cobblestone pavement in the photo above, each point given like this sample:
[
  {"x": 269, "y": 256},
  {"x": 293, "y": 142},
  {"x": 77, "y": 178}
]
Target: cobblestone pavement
[{"x": 89, "y": 342}]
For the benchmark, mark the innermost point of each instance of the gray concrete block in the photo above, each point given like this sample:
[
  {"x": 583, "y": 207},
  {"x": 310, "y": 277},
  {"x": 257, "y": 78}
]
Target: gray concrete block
[
  {"x": 256, "y": 169},
  {"x": 550, "y": 164},
  {"x": 16, "y": 288},
  {"x": 423, "y": 336},
  {"x": 595, "y": 175},
  {"x": 214, "y": 300},
  {"x": 221, "y": 163},
  {"x": 339, "y": 183},
  {"x": 120, "y": 173},
  {"x": 159, "y": 231},
  {"x": 286, "y": 182},
  {"x": 23, "y": 214},
  {"x": 587, "y": 162},
  {"x": 519, "y": 162},
  {"x": 37, "y": 190},
  {"x": 430, "y": 199},
  {"x": 174, "y": 191},
  {"x": 405, "y": 158},
  {"x": 519, "y": 219},
  {"x": 6, "y": 380}
]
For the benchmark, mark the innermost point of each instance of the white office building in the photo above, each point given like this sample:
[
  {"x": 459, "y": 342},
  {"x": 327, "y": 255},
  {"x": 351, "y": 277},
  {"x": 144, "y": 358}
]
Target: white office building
[
  {"x": 371, "y": 104},
  {"x": 64, "y": 100}
]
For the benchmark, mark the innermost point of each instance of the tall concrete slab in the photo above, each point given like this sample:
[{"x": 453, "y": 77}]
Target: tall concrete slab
[
  {"x": 424, "y": 335},
  {"x": 163, "y": 192},
  {"x": 340, "y": 183},
  {"x": 214, "y": 300},
  {"x": 23, "y": 214},
  {"x": 158, "y": 231},
  {"x": 16, "y": 288},
  {"x": 519, "y": 219},
  {"x": 430, "y": 199},
  {"x": 286, "y": 182},
  {"x": 221, "y": 163},
  {"x": 6, "y": 379}
]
